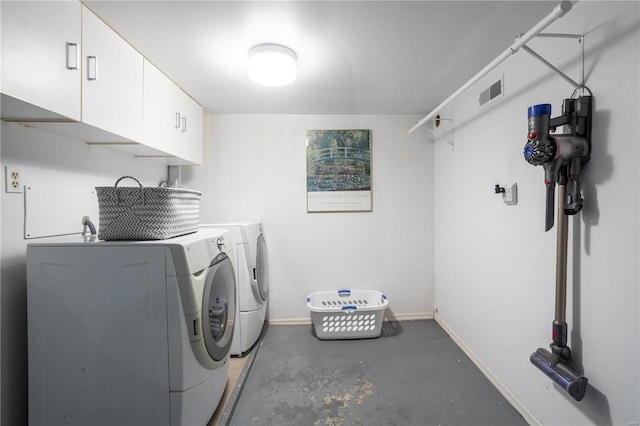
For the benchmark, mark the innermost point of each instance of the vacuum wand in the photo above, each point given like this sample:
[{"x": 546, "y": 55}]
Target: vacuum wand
[
  {"x": 555, "y": 363},
  {"x": 561, "y": 263},
  {"x": 562, "y": 157}
]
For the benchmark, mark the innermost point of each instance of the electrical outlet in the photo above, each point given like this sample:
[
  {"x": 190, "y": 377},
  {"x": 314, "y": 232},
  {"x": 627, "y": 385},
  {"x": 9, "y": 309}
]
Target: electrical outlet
[
  {"x": 13, "y": 179},
  {"x": 510, "y": 195}
]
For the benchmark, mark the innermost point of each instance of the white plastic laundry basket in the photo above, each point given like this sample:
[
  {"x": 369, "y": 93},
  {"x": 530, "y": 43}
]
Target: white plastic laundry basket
[{"x": 346, "y": 314}]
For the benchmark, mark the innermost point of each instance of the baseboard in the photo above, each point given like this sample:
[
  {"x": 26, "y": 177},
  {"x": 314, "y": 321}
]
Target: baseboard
[
  {"x": 515, "y": 402},
  {"x": 290, "y": 321},
  {"x": 388, "y": 316}
]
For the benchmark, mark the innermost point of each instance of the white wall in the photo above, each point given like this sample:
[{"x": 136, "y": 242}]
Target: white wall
[
  {"x": 45, "y": 159},
  {"x": 256, "y": 169},
  {"x": 495, "y": 265}
]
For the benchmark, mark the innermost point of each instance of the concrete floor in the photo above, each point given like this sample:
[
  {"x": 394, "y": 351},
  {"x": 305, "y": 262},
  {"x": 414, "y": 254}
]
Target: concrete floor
[{"x": 413, "y": 374}]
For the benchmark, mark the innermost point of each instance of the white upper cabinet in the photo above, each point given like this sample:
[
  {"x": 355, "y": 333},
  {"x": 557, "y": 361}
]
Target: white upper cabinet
[
  {"x": 41, "y": 60},
  {"x": 112, "y": 87},
  {"x": 172, "y": 120},
  {"x": 67, "y": 72}
]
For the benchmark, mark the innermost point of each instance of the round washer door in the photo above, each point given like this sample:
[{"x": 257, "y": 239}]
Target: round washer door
[
  {"x": 219, "y": 307},
  {"x": 262, "y": 266}
]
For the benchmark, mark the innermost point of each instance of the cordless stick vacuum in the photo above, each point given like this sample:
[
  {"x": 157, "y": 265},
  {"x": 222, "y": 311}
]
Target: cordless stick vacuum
[{"x": 562, "y": 158}]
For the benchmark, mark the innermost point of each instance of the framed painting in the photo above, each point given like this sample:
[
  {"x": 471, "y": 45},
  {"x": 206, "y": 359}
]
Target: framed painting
[{"x": 339, "y": 171}]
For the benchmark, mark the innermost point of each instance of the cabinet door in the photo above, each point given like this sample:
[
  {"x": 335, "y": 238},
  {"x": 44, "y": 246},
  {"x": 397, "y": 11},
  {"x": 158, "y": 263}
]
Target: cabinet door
[
  {"x": 172, "y": 120},
  {"x": 191, "y": 142},
  {"x": 40, "y": 58},
  {"x": 112, "y": 95},
  {"x": 161, "y": 118}
]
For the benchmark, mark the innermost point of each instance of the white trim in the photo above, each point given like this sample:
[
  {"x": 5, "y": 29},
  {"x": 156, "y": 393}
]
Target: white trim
[
  {"x": 290, "y": 321},
  {"x": 501, "y": 387},
  {"x": 388, "y": 316}
]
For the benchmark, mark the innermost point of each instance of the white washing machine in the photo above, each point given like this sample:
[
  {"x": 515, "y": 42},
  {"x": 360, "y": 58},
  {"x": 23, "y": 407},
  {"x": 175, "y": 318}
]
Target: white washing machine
[
  {"x": 129, "y": 332},
  {"x": 252, "y": 275}
]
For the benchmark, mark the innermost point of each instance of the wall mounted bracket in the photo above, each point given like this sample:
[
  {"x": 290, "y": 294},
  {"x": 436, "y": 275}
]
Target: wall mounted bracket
[
  {"x": 564, "y": 76},
  {"x": 442, "y": 130}
]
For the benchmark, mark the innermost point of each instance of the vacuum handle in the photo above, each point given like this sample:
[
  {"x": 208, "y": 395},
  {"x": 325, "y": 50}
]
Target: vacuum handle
[
  {"x": 573, "y": 199},
  {"x": 550, "y": 206}
]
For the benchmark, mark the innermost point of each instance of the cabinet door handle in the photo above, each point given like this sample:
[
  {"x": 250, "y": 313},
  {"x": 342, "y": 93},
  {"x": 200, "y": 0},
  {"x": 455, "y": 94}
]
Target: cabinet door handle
[
  {"x": 73, "y": 56},
  {"x": 177, "y": 120},
  {"x": 184, "y": 124},
  {"x": 92, "y": 68}
]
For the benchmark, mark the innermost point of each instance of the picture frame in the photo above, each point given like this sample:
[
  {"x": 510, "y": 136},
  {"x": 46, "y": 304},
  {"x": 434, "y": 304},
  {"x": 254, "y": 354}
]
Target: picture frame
[{"x": 339, "y": 170}]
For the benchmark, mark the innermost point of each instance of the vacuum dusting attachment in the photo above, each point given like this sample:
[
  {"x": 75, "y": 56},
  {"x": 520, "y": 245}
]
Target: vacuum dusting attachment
[{"x": 562, "y": 158}]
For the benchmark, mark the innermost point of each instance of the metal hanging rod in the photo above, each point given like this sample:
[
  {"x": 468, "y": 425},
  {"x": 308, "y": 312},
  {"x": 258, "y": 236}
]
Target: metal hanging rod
[
  {"x": 558, "y": 35},
  {"x": 557, "y": 12}
]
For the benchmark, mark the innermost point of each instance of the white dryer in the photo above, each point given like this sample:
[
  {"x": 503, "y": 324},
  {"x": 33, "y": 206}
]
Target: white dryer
[
  {"x": 129, "y": 332},
  {"x": 252, "y": 275}
]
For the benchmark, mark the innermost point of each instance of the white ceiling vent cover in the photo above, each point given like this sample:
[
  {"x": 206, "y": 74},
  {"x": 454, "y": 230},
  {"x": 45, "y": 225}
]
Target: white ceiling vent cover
[{"x": 493, "y": 92}]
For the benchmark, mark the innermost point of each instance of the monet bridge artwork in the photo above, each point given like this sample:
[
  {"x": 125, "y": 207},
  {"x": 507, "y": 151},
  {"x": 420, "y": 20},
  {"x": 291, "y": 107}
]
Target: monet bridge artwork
[{"x": 338, "y": 170}]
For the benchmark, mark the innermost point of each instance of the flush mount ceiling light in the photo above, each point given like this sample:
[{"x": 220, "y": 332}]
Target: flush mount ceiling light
[{"x": 272, "y": 65}]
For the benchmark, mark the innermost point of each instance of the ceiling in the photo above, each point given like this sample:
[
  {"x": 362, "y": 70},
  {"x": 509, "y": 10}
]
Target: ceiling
[{"x": 354, "y": 57}]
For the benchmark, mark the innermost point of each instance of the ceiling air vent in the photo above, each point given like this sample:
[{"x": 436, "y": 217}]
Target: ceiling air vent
[{"x": 495, "y": 91}]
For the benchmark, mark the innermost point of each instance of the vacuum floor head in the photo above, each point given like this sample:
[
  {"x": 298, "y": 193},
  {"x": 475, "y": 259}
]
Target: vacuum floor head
[{"x": 561, "y": 373}]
